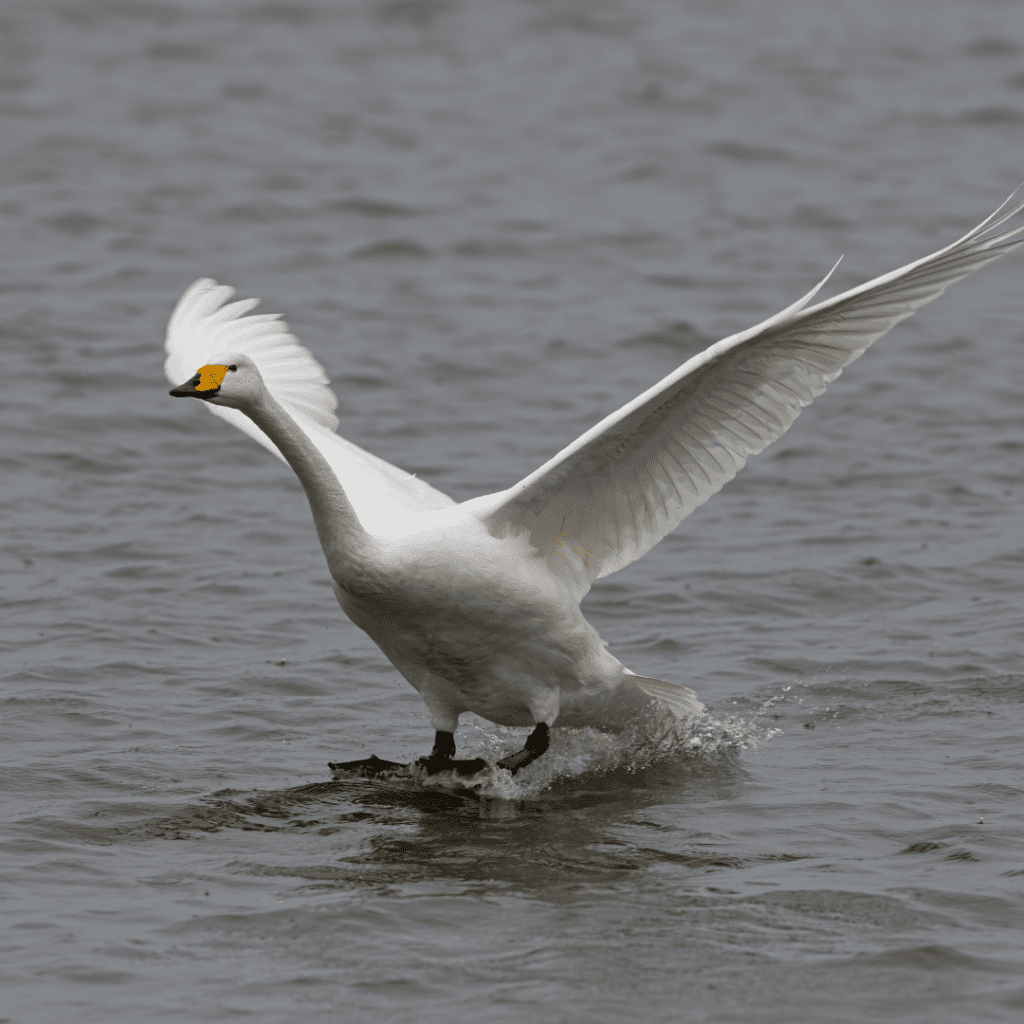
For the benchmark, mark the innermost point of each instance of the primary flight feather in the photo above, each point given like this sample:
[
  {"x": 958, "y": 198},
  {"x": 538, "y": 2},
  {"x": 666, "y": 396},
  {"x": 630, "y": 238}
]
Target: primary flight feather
[{"x": 477, "y": 604}]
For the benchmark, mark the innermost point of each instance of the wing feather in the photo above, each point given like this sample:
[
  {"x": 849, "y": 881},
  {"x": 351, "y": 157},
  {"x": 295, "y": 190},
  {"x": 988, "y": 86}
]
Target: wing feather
[
  {"x": 613, "y": 493},
  {"x": 203, "y": 327}
]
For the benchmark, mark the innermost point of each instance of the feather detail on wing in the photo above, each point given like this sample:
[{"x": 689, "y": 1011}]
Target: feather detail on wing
[
  {"x": 612, "y": 494},
  {"x": 202, "y": 327}
]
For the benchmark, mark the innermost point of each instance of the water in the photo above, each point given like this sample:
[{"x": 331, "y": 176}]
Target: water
[{"x": 494, "y": 222}]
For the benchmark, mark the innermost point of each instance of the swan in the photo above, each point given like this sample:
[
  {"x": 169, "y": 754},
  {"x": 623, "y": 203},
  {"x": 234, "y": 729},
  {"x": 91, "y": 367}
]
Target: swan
[{"x": 477, "y": 604}]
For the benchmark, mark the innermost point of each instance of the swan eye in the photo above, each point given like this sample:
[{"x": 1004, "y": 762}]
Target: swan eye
[{"x": 232, "y": 367}]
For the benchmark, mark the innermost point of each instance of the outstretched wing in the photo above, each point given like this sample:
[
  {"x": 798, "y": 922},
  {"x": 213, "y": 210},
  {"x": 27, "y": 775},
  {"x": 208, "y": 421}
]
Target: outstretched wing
[
  {"x": 202, "y": 327},
  {"x": 612, "y": 494}
]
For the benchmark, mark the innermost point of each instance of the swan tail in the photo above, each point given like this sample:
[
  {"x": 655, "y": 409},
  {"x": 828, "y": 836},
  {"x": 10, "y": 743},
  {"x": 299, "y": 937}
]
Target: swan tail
[
  {"x": 613, "y": 710},
  {"x": 680, "y": 700}
]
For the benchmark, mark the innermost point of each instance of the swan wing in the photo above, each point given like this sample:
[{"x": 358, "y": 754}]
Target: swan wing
[
  {"x": 202, "y": 326},
  {"x": 613, "y": 493}
]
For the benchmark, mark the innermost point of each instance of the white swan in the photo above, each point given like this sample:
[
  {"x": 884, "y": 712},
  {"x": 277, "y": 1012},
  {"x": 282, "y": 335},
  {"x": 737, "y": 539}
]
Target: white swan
[{"x": 478, "y": 604}]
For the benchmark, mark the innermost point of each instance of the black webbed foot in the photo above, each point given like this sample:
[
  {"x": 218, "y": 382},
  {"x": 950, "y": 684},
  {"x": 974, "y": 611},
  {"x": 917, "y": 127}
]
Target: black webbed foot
[
  {"x": 368, "y": 767},
  {"x": 536, "y": 743},
  {"x": 442, "y": 758},
  {"x": 434, "y": 765}
]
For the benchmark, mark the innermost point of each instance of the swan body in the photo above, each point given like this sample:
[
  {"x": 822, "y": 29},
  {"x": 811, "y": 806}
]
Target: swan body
[{"x": 478, "y": 604}]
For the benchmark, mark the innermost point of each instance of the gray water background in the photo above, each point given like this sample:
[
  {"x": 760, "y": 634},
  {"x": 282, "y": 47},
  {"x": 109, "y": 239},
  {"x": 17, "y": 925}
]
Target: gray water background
[{"x": 494, "y": 222}]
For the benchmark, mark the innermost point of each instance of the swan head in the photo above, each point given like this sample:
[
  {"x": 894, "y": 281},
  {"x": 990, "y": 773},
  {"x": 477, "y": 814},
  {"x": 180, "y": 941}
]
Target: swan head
[{"x": 231, "y": 380}]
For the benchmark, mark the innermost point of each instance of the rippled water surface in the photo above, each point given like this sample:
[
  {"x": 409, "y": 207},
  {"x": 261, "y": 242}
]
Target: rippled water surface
[{"x": 494, "y": 221}]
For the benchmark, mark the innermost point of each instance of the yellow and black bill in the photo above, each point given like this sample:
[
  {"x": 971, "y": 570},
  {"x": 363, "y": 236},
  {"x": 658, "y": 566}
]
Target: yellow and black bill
[{"x": 205, "y": 384}]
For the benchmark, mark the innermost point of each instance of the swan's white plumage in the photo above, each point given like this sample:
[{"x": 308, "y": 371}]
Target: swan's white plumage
[
  {"x": 612, "y": 494},
  {"x": 477, "y": 604},
  {"x": 201, "y": 326}
]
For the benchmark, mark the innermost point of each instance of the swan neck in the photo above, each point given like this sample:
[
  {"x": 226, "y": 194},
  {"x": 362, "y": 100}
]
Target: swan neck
[{"x": 341, "y": 534}]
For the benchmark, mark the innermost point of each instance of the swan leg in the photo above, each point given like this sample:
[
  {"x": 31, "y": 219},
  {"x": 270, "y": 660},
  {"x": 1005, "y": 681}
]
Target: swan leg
[
  {"x": 442, "y": 758},
  {"x": 536, "y": 743}
]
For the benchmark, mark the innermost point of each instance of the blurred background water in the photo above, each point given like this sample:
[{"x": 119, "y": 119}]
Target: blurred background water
[{"x": 494, "y": 221}]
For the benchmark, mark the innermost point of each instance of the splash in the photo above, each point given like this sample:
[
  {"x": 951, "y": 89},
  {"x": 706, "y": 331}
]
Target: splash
[{"x": 654, "y": 737}]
